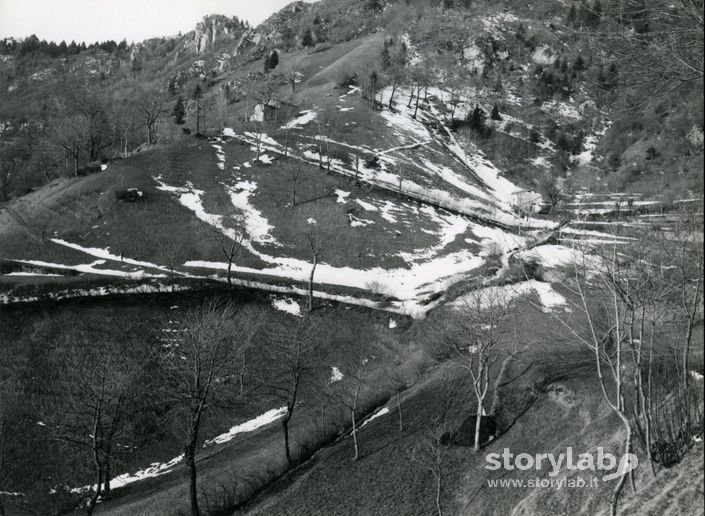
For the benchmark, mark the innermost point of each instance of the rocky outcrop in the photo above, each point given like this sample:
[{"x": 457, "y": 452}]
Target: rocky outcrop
[{"x": 214, "y": 29}]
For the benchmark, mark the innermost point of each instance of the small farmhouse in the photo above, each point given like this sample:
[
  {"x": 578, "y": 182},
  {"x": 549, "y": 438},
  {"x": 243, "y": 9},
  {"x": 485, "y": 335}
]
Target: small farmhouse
[{"x": 524, "y": 202}]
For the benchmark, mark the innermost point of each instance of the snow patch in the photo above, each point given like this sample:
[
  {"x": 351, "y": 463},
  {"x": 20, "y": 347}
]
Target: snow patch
[
  {"x": 342, "y": 196},
  {"x": 248, "y": 426},
  {"x": 379, "y": 413},
  {"x": 287, "y": 305},
  {"x": 302, "y": 119},
  {"x": 335, "y": 375}
]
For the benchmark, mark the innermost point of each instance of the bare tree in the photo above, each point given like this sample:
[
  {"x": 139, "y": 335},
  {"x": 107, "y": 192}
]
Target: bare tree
[
  {"x": 326, "y": 124},
  {"x": 604, "y": 333},
  {"x": 286, "y": 128},
  {"x": 98, "y": 135},
  {"x": 548, "y": 187},
  {"x": 296, "y": 180},
  {"x": 396, "y": 351},
  {"x": 195, "y": 371},
  {"x": 473, "y": 337},
  {"x": 151, "y": 106},
  {"x": 356, "y": 163},
  {"x": 230, "y": 246},
  {"x": 293, "y": 78},
  {"x": 257, "y": 132},
  {"x": 658, "y": 44},
  {"x": 294, "y": 352},
  {"x": 45, "y": 159},
  {"x": 317, "y": 245},
  {"x": 101, "y": 383},
  {"x": 395, "y": 63},
  {"x": 172, "y": 254},
  {"x": 400, "y": 176},
  {"x": 69, "y": 134},
  {"x": 356, "y": 373},
  {"x": 8, "y": 165},
  {"x": 431, "y": 453}
]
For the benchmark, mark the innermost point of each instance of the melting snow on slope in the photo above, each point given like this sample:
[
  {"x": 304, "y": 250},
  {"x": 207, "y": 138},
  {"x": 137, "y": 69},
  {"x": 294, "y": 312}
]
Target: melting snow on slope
[
  {"x": 287, "y": 305},
  {"x": 30, "y": 274},
  {"x": 302, "y": 119},
  {"x": 405, "y": 124},
  {"x": 374, "y": 416},
  {"x": 496, "y": 239},
  {"x": 487, "y": 296},
  {"x": 563, "y": 109},
  {"x": 554, "y": 255},
  {"x": 407, "y": 284},
  {"x": 451, "y": 226},
  {"x": 342, "y": 196},
  {"x": 335, "y": 375},
  {"x": 105, "y": 254},
  {"x": 366, "y": 205},
  {"x": 154, "y": 470},
  {"x": 220, "y": 154},
  {"x": 256, "y": 225},
  {"x": 90, "y": 268},
  {"x": 248, "y": 426}
]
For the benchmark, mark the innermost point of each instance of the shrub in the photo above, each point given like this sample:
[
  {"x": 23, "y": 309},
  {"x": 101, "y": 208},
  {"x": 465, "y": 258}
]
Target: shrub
[
  {"x": 129, "y": 195},
  {"x": 90, "y": 168}
]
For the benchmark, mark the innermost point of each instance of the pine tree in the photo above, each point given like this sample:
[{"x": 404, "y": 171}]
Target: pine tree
[
  {"x": 198, "y": 96},
  {"x": 579, "y": 64},
  {"x": 271, "y": 61},
  {"x": 476, "y": 120},
  {"x": 495, "y": 113},
  {"x": 179, "y": 111},
  {"x": 612, "y": 77},
  {"x": 307, "y": 40}
]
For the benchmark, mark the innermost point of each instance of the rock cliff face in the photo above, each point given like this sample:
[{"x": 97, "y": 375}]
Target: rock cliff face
[{"x": 214, "y": 29}]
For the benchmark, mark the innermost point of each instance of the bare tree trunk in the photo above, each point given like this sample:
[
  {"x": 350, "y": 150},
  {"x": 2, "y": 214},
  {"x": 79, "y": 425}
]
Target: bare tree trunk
[
  {"x": 418, "y": 97},
  {"x": 310, "y": 283},
  {"x": 689, "y": 334},
  {"x": 285, "y": 427},
  {"x": 401, "y": 418},
  {"x": 439, "y": 485},
  {"x": 391, "y": 97},
  {"x": 320, "y": 153},
  {"x": 190, "y": 454},
  {"x": 478, "y": 424},
  {"x": 99, "y": 484},
  {"x": 258, "y": 137},
  {"x": 354, "y": 434},
  {"x": 198, "y": 118},
  {"x": 107, "y": 473},
  {"x": 354, "y": 423},
  {"x": 620, "y": 483},
  {"x": 241, "y": 375}
]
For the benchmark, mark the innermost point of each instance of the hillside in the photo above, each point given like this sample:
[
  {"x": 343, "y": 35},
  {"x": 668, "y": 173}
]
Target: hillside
[{"x": 381, "y": 200}]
